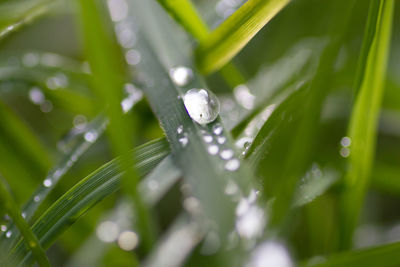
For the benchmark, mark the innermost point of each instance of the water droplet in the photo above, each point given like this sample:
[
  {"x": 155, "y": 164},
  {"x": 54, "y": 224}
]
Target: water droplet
[
  {"x": 226, "y": 154},
  {"x": 345, "y": 141},
  {"x": 217, "y": 129},
  {"x": 118, "y": 9},
  {"x": 30, "y": 59},
  {"x": 57, "y": 81},
  {"x": 179, "y": 130},
  {"x": 91, "y": 136},
  {"x": 133, "y": 57},
  {"x": 191, "y": 204},
  {"x": 232, "y": 165},
  {"x": 270, "y": 254},
  {"x": 23, "y": 214},
  {"x": 241, "y": 142},
  {"x": 221, "y": 139},
  {"x": 125, "y": 35},
  {"x": 251, "y": 223},
  {"x": 128, "y": 240},
  {"x": 180, "y": 75},
  {"x": 46, "y": 106},
  {"x": 3, "y": 228},
  {"x": 36, "y": 198},
  {"x": 184, "y": 140},
  {"x": 213, "y": 149},
  {"x": 9, "y": 234},
  {"x": 231, "y": 188},
  {"x": 345, "y": 152},
  {"x": 36, "y": 96},
  {"x": 107, "y": 231},
  {"x": 202, "y": 105},
  {"x": 207, "y": 138},
  {"x": 79, "y": 122},
  {"x": 47, "y": 182}
]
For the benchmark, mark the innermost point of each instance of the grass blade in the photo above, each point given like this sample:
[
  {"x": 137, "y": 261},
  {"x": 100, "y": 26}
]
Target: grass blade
[
  {"x": 7, "y": 201},
  {"x": 89, "y": 191},
  {"x": 235, "y": 32},
  {"x": 363, "y": 122}
]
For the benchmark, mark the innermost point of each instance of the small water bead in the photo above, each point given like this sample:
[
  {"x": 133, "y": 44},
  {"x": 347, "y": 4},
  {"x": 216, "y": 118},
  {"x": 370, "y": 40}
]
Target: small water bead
[
  {"x": 23, "y": 214},
  {"x": 202, "y": 105},
  {"x": 128, "y": 240},
  {"x": 133, "y": 57},
  {"x": 221, "y": 140},
  {"x": 36, "y": 199},
  {"x": 179, "y": 130},
  {"x": 231, "y": 188},
  {"x": 211, "y": 244},
  {"x": 47, "y": 182},
  {"x": 184, "y": 140},
  {"x": 270, "y": 254},
  {"x": 217, "y": 129},
  {"x": 57, "y": 81},
  {"x": 344, "y": 152},
  {"x": 226, "y": 154},
  {"x": 213, "y": 149},
  {"x": 46, "y": 106},
  {"x": 251, "y": 223},
  {"x": 118, "y": 9},
  {"x": 8, "y": 234},
  {"x": 79, "y": 122},
  {"x": 181, "y": 75},
  {"x": 232, "y": 165},
  {"x": 30, "y": 59},
  {"x": 3, "y": 228},
  {"x": 36, "y": 96},
  {"x": 345, "y": 141},
  {"x": 91, "y": 136},
  {"x": 207, "y": 138},
  {"x": 107, "y": 231},
  {"x": 191, "y": 204}
]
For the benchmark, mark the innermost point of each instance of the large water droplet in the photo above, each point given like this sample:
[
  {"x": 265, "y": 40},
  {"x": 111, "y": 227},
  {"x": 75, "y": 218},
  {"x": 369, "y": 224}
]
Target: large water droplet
[
  {"x": 181, "y": 76},
  {"x": 202, "y": 105}
]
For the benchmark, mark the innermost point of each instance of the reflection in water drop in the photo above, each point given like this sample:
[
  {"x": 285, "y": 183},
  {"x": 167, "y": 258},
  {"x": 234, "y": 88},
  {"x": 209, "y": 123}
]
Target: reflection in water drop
[
  {"x": 202, "y": 105},
  {"x": 232, "y": 165},
  {"x": 270, "y": 254},
  {"x": 181, "y": 76}
]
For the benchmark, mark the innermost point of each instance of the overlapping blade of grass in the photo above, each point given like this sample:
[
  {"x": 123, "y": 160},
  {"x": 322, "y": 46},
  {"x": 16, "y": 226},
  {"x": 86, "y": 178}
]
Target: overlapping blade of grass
[
  {"x": 109, "y": 74},
  {"x": 363, "y": 123},
  {"x": 95, "y": 130},
  {"x": 281, "y": 152},
  {"x": 385, "y": 255},
  {"x": 185, "y": 13},
  {"x": 16, "y": 14},
  {"x": 11, "y": 207},
  {"x": 204, "y": 172},
  {"x": 89, "y": 191},
  {"x": 235, "y": 32}
]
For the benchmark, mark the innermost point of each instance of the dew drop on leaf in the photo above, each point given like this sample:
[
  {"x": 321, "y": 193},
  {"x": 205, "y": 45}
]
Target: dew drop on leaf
[
  {"x": 202, "y": 105},
  {"x": 180, "y": 75}
]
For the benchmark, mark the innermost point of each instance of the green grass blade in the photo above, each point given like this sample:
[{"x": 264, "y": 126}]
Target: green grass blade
[
  {"x": 363, "y": 122},
  {"x": 385, "y": 255},
  {"x": 205, "y": 173},
  {"x": 107, "y": 66},
  {"x": 7, "y": 201},
  {"x": 95, "y": 129},
  {"x": 89, "y": 191},
  {"x": 235, "y": 32}
]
